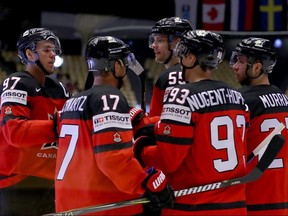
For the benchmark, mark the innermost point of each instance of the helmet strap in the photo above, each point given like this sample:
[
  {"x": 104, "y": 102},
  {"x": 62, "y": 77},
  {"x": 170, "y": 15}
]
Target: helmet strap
[
  {"x": 169, "y": 57},
  {"x": 261, "y": 72},
  {"x": 191, "y": 67},
  {"x": 248, "y": 78},
  {"x": 119, "y": 79},
  {"x": 185, "y": 67},
  {"x": 42, "y": 68}
]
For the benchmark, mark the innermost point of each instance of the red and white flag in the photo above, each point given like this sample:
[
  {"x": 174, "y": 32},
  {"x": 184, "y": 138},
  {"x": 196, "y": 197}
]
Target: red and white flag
[{"x": 213, "y": 14}]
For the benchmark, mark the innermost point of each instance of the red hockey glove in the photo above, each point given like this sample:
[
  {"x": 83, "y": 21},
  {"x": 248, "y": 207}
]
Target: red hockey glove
[
  {"x": 138, "y": 146},
  {"x": 136, "y": 115},
  {"x": 158, "y": 191}
]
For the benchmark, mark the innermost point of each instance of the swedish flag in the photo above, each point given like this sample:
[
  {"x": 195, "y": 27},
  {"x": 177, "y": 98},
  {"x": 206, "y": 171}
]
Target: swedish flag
[{"x": 272, "y": 15}]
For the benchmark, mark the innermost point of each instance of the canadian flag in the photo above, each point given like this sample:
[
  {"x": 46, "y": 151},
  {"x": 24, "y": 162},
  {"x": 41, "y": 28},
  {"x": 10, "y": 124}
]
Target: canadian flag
[{"x": 213, "y": 14}]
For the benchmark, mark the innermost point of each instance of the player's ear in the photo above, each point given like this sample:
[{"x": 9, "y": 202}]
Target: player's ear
[
  {"x": 192, "y": 58},
  {"x": 30, "y": 55},
  {"x": 120, "y": 69},
  {"x": 257, "y": 67}
]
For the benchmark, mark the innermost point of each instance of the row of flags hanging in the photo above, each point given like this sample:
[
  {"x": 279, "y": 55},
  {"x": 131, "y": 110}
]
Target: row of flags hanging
[{"x": 234, "y": 15}]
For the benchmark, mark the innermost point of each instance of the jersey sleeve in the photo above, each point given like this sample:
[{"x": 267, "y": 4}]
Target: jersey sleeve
[
  {"x": 173, "y": 143},
  {"x": 29, "y": 145},
  {"x": 156, "y": 102},
  {"x": 174, "y": 137},
  {"x": 17, "y": 100}
]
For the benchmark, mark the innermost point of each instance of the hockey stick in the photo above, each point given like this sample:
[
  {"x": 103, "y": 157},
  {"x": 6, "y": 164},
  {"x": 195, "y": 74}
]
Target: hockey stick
[
  {"x": 269, "y": 155},
  {"x": 256, "y": 151},
  {"x": 142, "y": 78}
]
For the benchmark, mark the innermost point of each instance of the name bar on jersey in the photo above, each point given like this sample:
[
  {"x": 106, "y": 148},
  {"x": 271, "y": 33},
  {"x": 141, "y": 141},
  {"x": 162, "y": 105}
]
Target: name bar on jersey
[
  {"x": 274, "y": 100},
  {"x": 75, "y": 104},
  {"x": 214, "y": 97}
]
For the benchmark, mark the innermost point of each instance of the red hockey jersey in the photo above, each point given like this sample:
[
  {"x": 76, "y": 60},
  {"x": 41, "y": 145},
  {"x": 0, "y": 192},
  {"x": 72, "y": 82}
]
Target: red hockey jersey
[
  {"x": 201, "y": 140},
  {"x": 28, "y": 148},
  {"x": 167, "y": 79},
  {"x": 268, "y": 106},
  {"x": 95, "y": 159}
]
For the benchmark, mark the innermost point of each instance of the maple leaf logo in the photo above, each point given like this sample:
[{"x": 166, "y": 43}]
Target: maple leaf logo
[{"x": 213, "y": 13}]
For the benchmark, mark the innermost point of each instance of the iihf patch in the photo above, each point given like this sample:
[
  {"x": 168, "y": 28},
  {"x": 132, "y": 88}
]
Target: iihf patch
[
  {"x": 8, "y": 110},
  {"x": 117, "y": 137}
]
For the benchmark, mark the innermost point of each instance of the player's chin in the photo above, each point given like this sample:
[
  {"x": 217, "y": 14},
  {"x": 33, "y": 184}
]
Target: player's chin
[
  {"x": 159, "y": 60},
  {"x": 240, "y": 81},
  {"x": 238, "y": 78},
  {"x": 50, "y": 70}
]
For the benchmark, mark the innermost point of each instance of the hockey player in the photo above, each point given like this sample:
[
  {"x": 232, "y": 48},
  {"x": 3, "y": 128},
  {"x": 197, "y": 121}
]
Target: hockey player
[
  {"x": 201, "y": 135},
  {"x": 252, "y": 60},
  {"x": 95, "y": 159},
  {"x": 164, "y": 35},
  {"x": 28, "y": 141}
]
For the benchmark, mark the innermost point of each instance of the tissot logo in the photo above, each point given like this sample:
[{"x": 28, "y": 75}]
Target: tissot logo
[
  {"x": 14, "y": 96},
  {"x": 111, "y": 120}
]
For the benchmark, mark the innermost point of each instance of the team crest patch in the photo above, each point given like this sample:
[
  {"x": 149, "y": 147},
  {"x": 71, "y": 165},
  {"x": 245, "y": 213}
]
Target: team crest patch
[
  {"x": 117, "y": 137},
  {"x": 167, "y": 130},
  {"x": 50, "y": 145},
  {"x": 8, "y": 110}
]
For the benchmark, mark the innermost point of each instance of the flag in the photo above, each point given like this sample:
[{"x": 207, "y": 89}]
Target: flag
[
  {"x": 273, "y": 15},
  {"x": 187, "y": 9},
  {"x": 213, "y": 14},
  {"x": 241, "y": 15}
]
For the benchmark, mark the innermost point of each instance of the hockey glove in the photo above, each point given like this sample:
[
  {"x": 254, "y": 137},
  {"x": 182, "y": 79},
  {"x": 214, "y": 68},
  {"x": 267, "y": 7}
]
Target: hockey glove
[
  {"x": 138, "y": 146},
  {"x": 56, "y": 118},
  {"x": 142, "y": 124},
  {"x": 148, "y": 127},
  {"x": 158, "y": 191},
  {"x": 136, "y": 115}
]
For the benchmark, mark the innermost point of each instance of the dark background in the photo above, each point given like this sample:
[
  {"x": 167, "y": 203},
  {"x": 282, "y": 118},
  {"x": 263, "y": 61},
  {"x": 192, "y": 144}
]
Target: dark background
[{"x": 17, "y": 16}]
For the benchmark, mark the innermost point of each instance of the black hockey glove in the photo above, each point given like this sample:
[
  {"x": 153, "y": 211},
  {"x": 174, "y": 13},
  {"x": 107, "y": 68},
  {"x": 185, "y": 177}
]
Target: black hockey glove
[
  {"x": 158, "y": 191},
  {"x": 56, "y": 118},
  {"x": 138, "y": 146},
  {"x": 147, "y": 130}
]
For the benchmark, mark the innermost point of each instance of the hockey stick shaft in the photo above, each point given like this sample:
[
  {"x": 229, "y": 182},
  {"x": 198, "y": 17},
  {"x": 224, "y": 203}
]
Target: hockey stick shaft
[
  {"x": 269, "y": 155},
  {"x": 142, "y": 77},
  {"x": 256, "y": 151}
]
